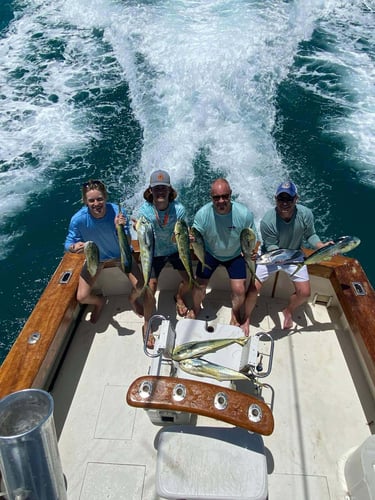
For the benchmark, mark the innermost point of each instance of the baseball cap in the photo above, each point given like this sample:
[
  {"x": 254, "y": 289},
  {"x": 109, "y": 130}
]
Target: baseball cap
[
  {"x": 287, "y": 187},
  {"x": 160, "y": 178}
]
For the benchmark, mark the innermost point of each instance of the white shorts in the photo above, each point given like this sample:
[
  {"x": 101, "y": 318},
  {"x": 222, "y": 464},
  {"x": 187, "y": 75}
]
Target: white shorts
[{"x": 263, "y": 272}]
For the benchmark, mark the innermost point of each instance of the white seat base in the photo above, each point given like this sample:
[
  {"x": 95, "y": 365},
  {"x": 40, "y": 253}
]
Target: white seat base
[{"x": 190, "y": 464}]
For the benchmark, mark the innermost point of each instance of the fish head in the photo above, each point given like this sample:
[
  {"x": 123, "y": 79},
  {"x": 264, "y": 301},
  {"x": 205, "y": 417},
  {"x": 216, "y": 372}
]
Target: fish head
[{"x": 347, "y": 243}]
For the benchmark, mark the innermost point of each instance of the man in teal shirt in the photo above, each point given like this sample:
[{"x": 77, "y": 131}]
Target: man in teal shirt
[
  {"x": 220, "y": 222},
  {"x": 290, "y": 226}
]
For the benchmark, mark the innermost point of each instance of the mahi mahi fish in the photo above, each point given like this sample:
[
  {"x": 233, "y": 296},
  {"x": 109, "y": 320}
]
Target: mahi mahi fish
[
  {"x": 145, "y": 234},
  {"x": 281, "y": 256},
  {"x": 181, "y": 233},
  {"x": 342, "y": 245},
  {"x": 248, "y": 242},
  {"x": 199, "y": 247},
  {"x": 125, "y": 250},
  {"x": 199, "y": 348},
  {"x": 203, "y": 368},
  {"x": 91, "y": 252}
]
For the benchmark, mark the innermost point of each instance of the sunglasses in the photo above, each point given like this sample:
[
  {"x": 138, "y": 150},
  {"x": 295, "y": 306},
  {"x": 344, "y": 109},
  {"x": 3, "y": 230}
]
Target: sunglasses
[
  {"x": 92, "y": 183},
  {"x": 285, "y": 199},
  {"x": 217, "y": 197}
]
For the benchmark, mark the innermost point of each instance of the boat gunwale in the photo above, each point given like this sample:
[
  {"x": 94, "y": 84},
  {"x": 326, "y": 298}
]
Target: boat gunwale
[{"x": 30, "y": 365}]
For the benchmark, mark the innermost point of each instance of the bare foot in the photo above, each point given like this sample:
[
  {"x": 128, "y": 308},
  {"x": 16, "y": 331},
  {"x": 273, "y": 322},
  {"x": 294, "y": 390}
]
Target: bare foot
[
  {"x": 191, "y": 314},
  {"x": 151, "y": 338},
  {"x": 181, "y": 307},
  {"x": 288, "y": 320},
  {"x": 245, "y": 327},
  {"x": 97, "y": 310}
]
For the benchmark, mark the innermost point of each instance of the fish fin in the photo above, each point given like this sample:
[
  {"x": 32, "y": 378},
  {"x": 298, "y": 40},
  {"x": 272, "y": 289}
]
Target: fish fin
[{"x": 297, "y": 269}]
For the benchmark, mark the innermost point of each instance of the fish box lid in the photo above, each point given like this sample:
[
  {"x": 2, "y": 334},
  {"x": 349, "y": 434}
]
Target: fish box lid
[{"x": 218, "y": 463}]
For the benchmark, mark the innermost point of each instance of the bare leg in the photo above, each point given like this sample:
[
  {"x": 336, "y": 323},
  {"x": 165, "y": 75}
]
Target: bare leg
[
  {"x": 302, "y": 293},
  {"x": 198, "y": 294},
  {"x": 84, "y": 296},
  {"x": 182, "y": 291},
  {"x": 143, "y": 305},
  {"x": 250, "y": 301},
  {"x": 149, "y": 305},
  {"x": 238, "y": 288}
]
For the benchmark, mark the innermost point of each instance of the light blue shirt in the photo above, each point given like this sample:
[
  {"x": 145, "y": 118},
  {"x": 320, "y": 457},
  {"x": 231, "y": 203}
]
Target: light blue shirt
[
  {"x": 163, "y": 223},
  {"x": 221, "y": 233},
  {"x": 277, "y": 233},
  {"x": 84, "y": 227}
]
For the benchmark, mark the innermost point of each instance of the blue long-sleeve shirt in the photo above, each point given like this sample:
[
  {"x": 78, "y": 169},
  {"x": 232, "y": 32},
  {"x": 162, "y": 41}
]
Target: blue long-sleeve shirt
[{"x": 84, "y": 227}]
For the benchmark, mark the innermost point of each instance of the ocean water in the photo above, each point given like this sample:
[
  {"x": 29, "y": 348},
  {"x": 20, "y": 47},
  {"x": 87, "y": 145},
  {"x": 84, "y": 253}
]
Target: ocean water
[{"x": 258, "y": 91}]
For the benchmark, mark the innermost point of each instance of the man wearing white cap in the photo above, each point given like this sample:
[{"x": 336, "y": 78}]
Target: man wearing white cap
[{"x": 289, "y": 225}]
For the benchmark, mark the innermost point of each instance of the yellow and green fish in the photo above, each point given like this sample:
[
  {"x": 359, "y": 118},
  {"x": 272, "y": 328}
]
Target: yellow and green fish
[
  {"x": 203, "y": 368},
  {"x": 145, "y": 235},
  {"x": 181, "y": 234},
  {"x": 248, "y": 242},
  {"x": 125, "y": 250},
  {"x": 198, "y": 246},
  {"x": 91, "y": 252},
  {"x": 198, "y": 348},
  {"x": 343, "y": 245}
]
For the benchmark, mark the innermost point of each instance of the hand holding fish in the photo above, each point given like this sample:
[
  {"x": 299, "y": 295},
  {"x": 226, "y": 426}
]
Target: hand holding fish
[
  {"x": 77, "y": 247},
  {"x": 120, "y": 219}
]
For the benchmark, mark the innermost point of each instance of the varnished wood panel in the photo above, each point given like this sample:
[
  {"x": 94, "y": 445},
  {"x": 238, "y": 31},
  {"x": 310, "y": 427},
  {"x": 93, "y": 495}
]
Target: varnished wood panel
[
  {"x": 358, "y": 309},
  {"x": 199, "y": 399},
  {"x": 28, "y": 365}
]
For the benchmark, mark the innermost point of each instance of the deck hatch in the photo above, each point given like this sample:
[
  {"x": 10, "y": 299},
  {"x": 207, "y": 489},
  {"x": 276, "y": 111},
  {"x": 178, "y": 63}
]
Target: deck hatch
[{"x": 324, "y": 300}]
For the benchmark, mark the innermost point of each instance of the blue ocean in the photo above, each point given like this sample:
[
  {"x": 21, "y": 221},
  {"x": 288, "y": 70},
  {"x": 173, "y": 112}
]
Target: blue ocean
[{"x": 258, "y": 91}]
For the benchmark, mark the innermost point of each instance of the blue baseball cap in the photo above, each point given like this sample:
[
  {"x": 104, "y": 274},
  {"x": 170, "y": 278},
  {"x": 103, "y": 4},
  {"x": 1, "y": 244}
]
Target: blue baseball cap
[{"x": 287, "y": 187}]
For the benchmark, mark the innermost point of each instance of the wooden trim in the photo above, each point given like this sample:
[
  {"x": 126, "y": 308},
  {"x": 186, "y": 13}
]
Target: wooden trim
[
  {"x": 30, "y": 365},
  {"x": 152, "y": 392},
  {"x": 358, "y": 309}
]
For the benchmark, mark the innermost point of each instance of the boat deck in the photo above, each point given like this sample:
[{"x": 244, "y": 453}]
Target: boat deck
[{"x": 320, "y": 399}]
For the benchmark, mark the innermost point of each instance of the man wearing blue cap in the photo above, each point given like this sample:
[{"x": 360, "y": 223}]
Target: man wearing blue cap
[{"x": 289, "y": 225}]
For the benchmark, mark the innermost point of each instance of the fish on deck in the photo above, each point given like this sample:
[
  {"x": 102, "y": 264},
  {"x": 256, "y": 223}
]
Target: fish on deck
[
  {"x": 202, "y": 368},
  {"x": 198, "y": 348}
]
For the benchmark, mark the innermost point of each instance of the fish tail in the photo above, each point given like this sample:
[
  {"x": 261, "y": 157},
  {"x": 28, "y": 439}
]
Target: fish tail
[{"x": 242, "y": 340}]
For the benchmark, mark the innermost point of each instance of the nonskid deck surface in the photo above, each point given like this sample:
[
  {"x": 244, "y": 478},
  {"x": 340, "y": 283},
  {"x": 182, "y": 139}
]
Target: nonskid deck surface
[{"x": 108, "y": 449}]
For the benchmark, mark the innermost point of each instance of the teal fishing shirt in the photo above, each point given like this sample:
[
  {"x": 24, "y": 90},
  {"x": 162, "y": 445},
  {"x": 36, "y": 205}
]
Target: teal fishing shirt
[
  {"x": 163, "y": 222},
  {"x": 299, "y": 231},
  {"x": 84, "y": 227},
  {"x": 221, "y": 233}
]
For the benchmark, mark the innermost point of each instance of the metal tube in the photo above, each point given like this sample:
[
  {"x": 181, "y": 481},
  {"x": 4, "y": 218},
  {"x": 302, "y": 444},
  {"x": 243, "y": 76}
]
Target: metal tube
[{"x": 29, "y": 457}]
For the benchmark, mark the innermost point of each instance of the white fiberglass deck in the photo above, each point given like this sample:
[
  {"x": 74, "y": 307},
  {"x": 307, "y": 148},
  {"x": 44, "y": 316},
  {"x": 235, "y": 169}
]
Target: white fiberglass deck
[{"x": 108, "y": 449}]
